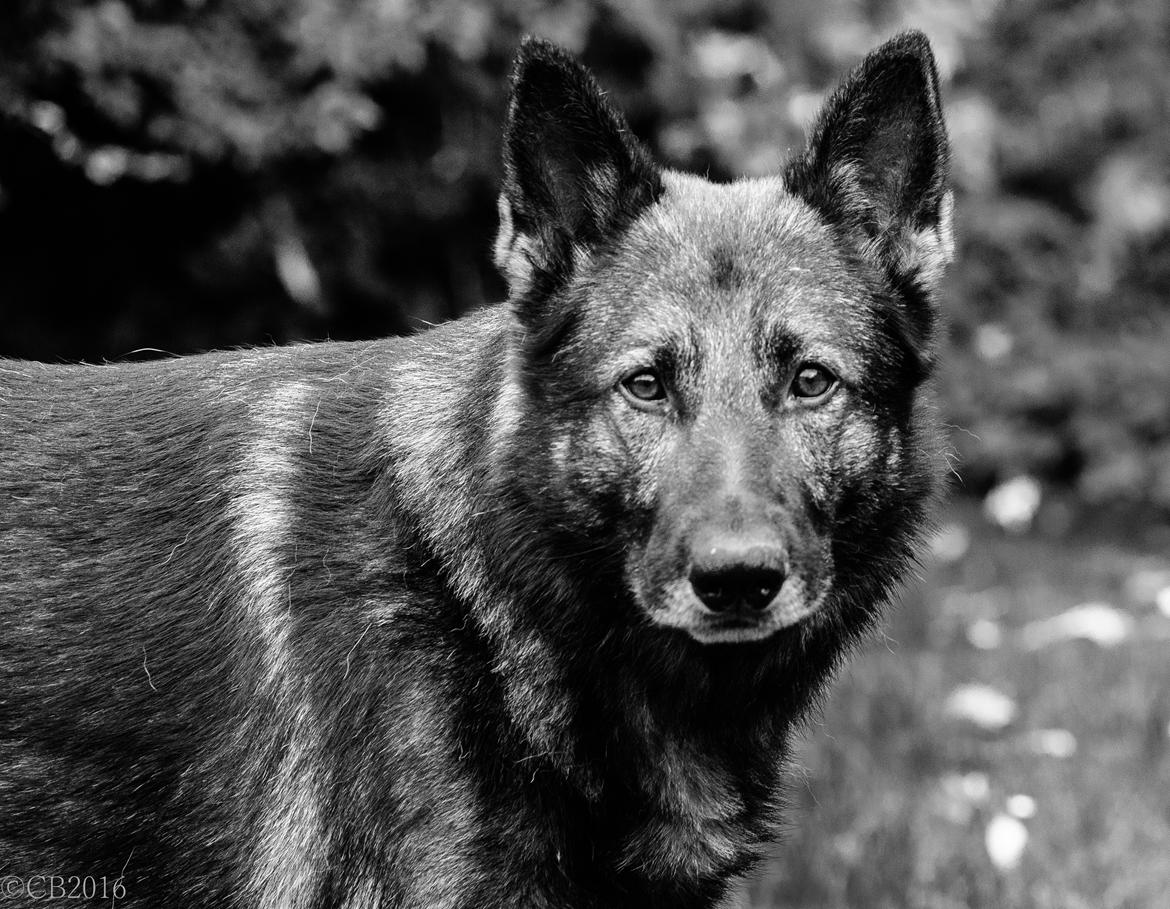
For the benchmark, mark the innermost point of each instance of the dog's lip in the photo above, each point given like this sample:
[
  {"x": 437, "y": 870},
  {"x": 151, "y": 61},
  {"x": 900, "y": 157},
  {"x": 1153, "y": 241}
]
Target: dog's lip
[
  {"x": 678, "y": 608},
  {"x": 723, "y": 629},
  {"x": 731, "y": 634}
]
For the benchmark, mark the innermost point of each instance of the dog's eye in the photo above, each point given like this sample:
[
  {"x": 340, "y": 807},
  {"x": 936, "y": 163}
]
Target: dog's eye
[
  {"x": 644, "y": 387},
  {"x": 813, "y": 383}
]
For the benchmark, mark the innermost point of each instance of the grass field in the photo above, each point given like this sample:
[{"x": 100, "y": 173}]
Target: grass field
[{"x": 895, "y": 787}]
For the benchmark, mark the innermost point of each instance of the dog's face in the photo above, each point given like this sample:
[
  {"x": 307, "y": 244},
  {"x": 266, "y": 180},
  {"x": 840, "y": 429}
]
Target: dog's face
[{"x": 723, "y": 378}]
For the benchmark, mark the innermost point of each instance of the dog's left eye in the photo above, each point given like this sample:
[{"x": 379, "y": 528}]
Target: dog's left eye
[
  {"x": 644, "y": 387},
  {"x": 813, "y": 383}
]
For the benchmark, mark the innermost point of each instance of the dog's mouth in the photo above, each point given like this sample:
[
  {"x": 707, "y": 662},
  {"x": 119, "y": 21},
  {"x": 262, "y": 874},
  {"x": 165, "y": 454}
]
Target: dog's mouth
[
  {"x": 738, "y": 629},
  {"x": 729, "y": 587},
  {"x": 737, "y": 621}
]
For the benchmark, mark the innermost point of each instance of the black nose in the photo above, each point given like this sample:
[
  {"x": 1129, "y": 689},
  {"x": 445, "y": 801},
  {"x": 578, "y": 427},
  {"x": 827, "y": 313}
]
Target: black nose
[
  {"x": 737, "y": 574},
  {"x": 737, "y": 588}
]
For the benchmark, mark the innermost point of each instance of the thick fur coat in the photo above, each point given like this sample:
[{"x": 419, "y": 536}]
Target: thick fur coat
[{"x": 521, "y": 611}]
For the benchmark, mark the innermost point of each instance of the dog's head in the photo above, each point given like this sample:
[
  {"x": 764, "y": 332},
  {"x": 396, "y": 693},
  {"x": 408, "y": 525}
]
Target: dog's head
[{"x": 721, "y": 382}]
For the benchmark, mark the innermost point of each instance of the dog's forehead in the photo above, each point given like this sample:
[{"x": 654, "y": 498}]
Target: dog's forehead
[
  {"x": 746, "y": 253},
  {"x": 710, "y": 211}
]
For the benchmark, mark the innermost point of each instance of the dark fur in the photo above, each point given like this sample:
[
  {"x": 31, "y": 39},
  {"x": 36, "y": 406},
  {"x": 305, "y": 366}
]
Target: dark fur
[{"x": 400, "y": 623}]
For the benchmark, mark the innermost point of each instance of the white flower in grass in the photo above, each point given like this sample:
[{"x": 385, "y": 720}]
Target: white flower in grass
[
  {"x": 951, "y": 543},
  {"x": 1013, "y": 504},
  {"x": 1100, "y": 623},
  {"x": 984, "y": 634},
  {"x": 982, "y": 706},
  {"x": 1020, "y": 806},
  {"x": 959, "y": 793},
  {"x": 975, "y": 786},
  {"x": 1005, "y": 838},
  {"x": 1143, "y": 586},
  {"x": 993, "y": 341},
  {"x": 1162, "y": 600},
  {"x": 1057, "y": 743}
]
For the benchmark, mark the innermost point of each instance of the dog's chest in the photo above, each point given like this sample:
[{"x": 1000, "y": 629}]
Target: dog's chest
[{"x": 694, "y": 822}]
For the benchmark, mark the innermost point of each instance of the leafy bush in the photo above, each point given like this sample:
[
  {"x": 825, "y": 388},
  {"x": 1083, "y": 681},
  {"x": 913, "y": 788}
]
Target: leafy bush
[{"x": 184, "y": 174}]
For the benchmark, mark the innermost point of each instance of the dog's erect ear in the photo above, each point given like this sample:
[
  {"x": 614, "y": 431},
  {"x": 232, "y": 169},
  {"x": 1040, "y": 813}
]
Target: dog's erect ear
[
  {"x": 876, "y": 165},
  {"x": 574, "y": 175}
]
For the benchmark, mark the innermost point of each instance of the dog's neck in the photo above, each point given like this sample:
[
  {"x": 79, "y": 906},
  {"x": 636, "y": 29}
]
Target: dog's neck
[{"x": 677, "y": 746}]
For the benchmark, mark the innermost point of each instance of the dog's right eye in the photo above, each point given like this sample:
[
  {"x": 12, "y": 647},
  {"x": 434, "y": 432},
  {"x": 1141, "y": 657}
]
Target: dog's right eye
[
  {"x": 644, "y": 387},
  {"x": 813, "y": 383}
]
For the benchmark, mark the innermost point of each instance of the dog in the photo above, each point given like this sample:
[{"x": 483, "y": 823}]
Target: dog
[{"x": 520, "y": 611}]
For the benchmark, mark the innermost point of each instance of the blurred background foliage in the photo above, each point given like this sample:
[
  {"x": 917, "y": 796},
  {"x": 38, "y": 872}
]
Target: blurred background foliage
[
  {"x": 186, "y": 174},
  {"x": 178, "y": 175}
]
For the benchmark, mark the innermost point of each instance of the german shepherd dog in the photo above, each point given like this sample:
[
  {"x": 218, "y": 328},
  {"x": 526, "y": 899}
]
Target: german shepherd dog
[{"x": 521, "y": 611}]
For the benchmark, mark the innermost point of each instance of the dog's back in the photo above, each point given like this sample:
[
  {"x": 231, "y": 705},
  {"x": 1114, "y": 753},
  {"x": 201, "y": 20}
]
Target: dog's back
[{"x": 207, "y": 592}]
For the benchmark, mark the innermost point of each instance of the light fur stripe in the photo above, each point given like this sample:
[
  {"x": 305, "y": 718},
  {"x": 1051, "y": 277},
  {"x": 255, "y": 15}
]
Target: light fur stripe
[
  {"x": 262, "y": 520},
  {"x": 291, "y": 840}
]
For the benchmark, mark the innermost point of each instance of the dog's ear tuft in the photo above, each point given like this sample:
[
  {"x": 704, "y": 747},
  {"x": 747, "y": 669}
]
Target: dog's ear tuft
[
  {"x": 574, "y": 174},
  {"x": 876, "y": 165}
]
